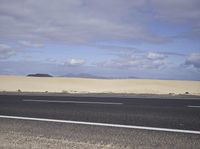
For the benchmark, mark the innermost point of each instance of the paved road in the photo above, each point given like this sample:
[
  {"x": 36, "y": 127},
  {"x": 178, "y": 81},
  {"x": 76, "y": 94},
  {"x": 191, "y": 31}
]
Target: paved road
[{"x": 161, "y": 113}]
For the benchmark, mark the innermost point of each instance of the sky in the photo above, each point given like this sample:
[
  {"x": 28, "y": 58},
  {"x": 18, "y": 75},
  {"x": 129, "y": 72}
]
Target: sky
[{"x": 151, "y": 39}]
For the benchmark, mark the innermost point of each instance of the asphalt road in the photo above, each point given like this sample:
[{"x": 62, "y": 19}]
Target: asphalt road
[{"x": 150, "y": 112}]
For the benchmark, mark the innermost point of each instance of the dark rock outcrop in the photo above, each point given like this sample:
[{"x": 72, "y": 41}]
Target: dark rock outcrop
[{"x": 39, "y": 75}]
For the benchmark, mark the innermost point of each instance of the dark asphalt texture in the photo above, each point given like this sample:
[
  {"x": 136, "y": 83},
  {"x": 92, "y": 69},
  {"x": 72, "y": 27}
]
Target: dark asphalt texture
[{"x": 149, "y": 112}]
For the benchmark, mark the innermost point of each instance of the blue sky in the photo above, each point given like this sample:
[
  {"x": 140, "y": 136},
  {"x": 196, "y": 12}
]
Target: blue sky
[{"x": 112, "y": 38}]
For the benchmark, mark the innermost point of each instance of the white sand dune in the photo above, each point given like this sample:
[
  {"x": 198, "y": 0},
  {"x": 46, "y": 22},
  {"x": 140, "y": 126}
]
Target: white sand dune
[{"x": 82, "y": 85}]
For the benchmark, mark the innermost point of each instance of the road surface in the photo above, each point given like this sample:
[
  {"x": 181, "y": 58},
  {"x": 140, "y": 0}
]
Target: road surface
[{"x": 154, "y": 117}]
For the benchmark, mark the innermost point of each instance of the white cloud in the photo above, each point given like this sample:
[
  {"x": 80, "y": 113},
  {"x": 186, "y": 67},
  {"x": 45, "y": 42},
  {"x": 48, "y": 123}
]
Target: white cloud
[
  {"x": 138, "y": 61},
  {"x": 194, "y": 60},
  {"x": 75, "y": 62},
  {"x": 155, "y": 56}
]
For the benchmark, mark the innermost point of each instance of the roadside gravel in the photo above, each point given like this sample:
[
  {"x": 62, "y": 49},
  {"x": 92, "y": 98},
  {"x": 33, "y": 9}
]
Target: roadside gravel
[{"x": 20, "y": 134}]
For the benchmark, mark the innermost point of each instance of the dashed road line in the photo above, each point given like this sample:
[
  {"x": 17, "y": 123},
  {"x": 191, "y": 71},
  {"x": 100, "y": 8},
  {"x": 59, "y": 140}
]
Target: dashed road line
[{"x": 75, "y": 102}]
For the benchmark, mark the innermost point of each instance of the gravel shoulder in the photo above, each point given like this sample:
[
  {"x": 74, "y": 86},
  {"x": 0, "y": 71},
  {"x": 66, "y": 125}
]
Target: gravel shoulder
[{"x": 21, "y": 134}]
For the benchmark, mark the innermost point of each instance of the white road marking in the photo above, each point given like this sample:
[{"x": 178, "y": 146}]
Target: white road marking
[
  {"x": 193, "y": 106},
  {"x": 77, "y": 102},
  {"x": 101, "y": 124}
]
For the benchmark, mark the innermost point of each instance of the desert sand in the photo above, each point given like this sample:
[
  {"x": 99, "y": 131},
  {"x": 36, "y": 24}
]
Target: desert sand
[{"x": 83, "y": 85}]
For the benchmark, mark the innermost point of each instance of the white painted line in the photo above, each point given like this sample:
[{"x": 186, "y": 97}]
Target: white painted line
[
  {"x": 193, "y": 106},
  {"x": 77, "y": 102},
  {"x": 102, "y": 124}
]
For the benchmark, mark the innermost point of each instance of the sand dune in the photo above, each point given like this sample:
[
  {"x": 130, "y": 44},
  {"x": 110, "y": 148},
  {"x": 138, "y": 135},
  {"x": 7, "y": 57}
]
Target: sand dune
[{"x": 81, "y": 85}]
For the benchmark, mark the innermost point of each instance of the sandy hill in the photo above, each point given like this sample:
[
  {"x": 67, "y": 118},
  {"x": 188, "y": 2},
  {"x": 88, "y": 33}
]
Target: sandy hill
[{"x": 85, "y": 85}]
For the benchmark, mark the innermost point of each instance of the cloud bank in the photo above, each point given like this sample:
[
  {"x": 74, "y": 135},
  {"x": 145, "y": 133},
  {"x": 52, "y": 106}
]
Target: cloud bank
[
  {"x": 125, "y": 30},
  {"x": 86, "y": 21}
]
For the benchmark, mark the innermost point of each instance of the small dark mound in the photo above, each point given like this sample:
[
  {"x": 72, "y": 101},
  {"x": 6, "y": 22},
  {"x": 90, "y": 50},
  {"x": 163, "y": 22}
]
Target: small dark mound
[
  {"x": 39, "y": 75},
  {"x": 187, "y": 93}
]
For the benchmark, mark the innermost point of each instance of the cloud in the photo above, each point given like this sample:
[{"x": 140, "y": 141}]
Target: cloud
[
  {"x": 177, "y": 11},
  {"x": 31, "y": 44},
  {"x": 193, "y": 60},
  {"x": 116, "y": 47},
  {"x": 6, "y": 51},
  {"x": 89, "y": 21},
  {"x": 74, "y": 21},
  {"x": 155, "y": 56},
  {"x": 137, "y": 61},
  {"x": 75, "y": 62},
  {"x": 180, "y": 12},
  {"x": 167, "y": 53}
]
